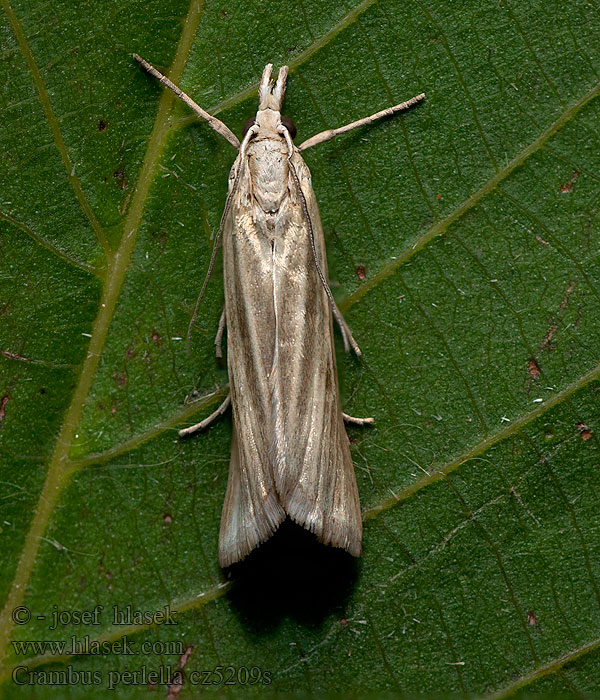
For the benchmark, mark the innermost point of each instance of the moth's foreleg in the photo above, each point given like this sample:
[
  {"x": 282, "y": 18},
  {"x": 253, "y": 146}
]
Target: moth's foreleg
[
  {"x": 219, "y": 336},
  {"x": 332, "y": 133},
  {"x": 357, "y": 421},
  {"x": 213, "y": 122},
  {"x": 193, "y": 429}
]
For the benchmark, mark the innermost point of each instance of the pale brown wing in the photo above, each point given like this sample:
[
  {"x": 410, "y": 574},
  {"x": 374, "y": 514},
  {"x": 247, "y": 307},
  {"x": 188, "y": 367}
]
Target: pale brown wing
[
  {"x": 290, "y": 452},
  {"x": 252, "y": 511},
  {"x": 314, "y": 474}
]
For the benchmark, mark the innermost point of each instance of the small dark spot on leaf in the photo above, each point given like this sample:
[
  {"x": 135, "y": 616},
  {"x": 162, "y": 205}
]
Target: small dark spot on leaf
[
  {"x": 553, "y": 324},
  {"x": 185, "y": 657},
  {"x": 124, "y": 205},
  {"x": 568, "y": 186},
  {"x": 119, "y": 176},
  {"x": 533, "y": 368},
  {"x": 120, "y": 378},
  {"x": 157, "y": 339},
  {"x": 130, "y": 353},
  {"x": 108, "y": 575},
  {"x": 101, "y": 125},
  {"x": 14, "y": 356},
  {"x": 531, "y": 618},
  {"x": 5, "y": 399},
  {"x": 168, "y": 518},
  {"x": 549, "y": 434},
  {"x": 361, "y": 272},
  {"x": 160, "y": 235},
  {"x": 176, "y": 685},
  {"x": 434, "y": 39},
  {"x": 584, "y": 431},
  {"x": 547, "y": 342},
  {"x": 42, "y": 391}
]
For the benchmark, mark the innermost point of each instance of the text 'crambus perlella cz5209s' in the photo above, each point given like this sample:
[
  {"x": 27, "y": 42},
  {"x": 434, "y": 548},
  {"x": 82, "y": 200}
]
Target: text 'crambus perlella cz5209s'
[{"x": 290, "y": 454}]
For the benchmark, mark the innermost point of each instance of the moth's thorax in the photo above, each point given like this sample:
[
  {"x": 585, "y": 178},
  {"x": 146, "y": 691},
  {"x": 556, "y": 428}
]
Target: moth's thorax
[{"x": 267, "y": 156}]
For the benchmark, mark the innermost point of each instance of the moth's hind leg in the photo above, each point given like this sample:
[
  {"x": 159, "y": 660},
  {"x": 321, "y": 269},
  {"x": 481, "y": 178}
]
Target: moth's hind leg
[
  {"x": 219, "y": 336},
  {"x": 349, "y": 342},
  {"x": 357, "y": 421},
  {"x": 193, "y": 429}
]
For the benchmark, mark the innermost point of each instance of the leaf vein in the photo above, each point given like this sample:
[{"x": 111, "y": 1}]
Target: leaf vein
[
  {"x": 46, "y": 244},
  {"x": 54, "y": 125},
  {"x": 441, "y": 226},
  {"x": 482, "y": 446},
  {"x": 59, "y": 469}
]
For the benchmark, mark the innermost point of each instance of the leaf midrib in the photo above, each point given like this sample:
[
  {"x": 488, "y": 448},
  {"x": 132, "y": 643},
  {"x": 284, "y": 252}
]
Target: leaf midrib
[{"x": 58, "y": 469}]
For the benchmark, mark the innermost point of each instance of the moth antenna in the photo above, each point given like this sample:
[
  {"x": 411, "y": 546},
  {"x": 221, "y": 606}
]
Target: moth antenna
[
  {"x": 266, "y": 85},
  {"x": 213, "y": 257}
]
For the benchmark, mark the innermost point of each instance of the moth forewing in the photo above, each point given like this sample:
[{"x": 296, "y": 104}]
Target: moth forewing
[
  {"x": 290, "y": 455},
  {"x": 317, "y": 480}
]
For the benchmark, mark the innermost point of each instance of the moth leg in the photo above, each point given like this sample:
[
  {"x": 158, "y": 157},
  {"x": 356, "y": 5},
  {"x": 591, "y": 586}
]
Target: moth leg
[
  {"x": 186, "y": 432},
  {"x": 332, "y": 133},
  {"x": 219, "y": 336},
  {"x": 213, "y": 122},
  {"x": 347, "y": 336},
  {"x": 357, "y": 421},
  {"x": 349, "y": 341}
]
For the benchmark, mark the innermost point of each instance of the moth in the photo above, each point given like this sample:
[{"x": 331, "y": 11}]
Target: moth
[{"x": 290, "y": 455}]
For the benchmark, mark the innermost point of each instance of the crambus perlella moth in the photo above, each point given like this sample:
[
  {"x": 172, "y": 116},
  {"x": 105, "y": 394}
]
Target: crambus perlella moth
[{"x": 290, "y": 455}]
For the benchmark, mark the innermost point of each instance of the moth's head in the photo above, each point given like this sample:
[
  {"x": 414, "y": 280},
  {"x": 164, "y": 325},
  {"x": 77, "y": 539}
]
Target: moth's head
[{"x": 270, "y": 100}]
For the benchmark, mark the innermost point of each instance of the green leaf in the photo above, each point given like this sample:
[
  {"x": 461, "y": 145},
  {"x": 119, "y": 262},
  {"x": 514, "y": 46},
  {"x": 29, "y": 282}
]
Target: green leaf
[{"x": 463, "y": 248}]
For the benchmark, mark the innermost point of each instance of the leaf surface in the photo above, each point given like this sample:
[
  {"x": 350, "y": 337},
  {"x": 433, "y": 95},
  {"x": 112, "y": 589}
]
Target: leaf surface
[{"x": 463, "y": 249}]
